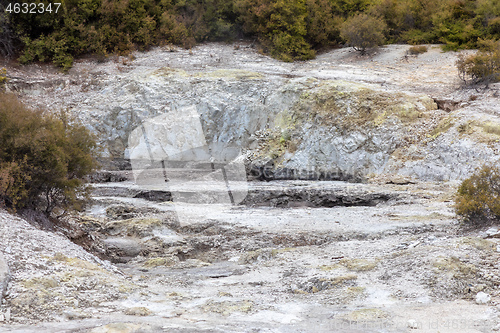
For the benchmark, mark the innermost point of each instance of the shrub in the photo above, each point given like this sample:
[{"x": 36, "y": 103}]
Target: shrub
[
  {"x": 3, "y": 78},
  {"x": 407, "y": 20},
  {"x": 481, "y": 68},
  {"x": 322, "y": 23},
  {"x": 43, "y": 159},
  {"x": 363, "y": 32},
  {"x": 280, "y": 25},
  {"x": 478, "y": 197},
  {"x": 417, "y": 49}
]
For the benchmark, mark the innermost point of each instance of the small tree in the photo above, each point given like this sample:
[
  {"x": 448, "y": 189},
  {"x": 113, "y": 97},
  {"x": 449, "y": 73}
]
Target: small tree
[
  {"x": 280, "y": 24},
  {"x": 478, "y": 197},
  {"x": 363, "y": 32},
  {"x": 43, "y": 159},
  {"x": 482, "y": 68},
  {"x": 7, "y": 36}
]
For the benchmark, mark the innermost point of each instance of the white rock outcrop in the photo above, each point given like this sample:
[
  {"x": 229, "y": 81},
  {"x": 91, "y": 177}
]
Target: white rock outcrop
[{"x": 4, "y": 277}]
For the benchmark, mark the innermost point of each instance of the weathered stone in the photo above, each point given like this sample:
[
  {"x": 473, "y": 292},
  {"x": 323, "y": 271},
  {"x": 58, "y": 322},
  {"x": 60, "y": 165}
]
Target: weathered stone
[
  {"x": 313, "y": 197},
  {"x": 127, "y": 211},
  {"x": 140, "y": 227},
  {"x": 123, "y": 247},
  {"x": 413, "y": 324},
  {"x": 492, "y": 233},
  {"x": 137, "y": 311},
  {"x": 161, "y": 261},
  {"x": 226, "y": 308},
  {"x": 125, "y": 328},
  {"x": 104, "y": 176},
  {"x": 4, "y": 277},
  {"x": 365, "y": 315},
  {"x": 482, "y": 298},
  {"x": 159, "y": 196},
  {"x": 447, "y": 105}
]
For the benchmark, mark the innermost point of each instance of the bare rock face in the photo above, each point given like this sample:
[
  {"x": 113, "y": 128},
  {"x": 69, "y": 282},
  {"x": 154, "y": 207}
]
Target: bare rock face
[
  {"x": 307, "y": 128},
  {"x": 337, "y": 129},
  {"x": 339, "y": 117},
  {"x": 4, "y": 277},
  {"x": 341, "y": 130}
]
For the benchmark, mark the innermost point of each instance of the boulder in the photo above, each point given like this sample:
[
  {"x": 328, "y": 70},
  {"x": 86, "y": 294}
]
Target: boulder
[
  {"x": 4, "y": 276},
  {"x": 482, "y": 298},
  {"x": 122, "y": 249}
]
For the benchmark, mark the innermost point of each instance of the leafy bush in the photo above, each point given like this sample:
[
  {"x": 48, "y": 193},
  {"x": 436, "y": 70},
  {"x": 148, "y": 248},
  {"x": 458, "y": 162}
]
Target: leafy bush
[
  {"x": 119, "y": 26},
  {"x": 407, "y": 19},
  {"x": 478, "y": 197},
  {"x": 43, "y": 159},
  {"x": 3, "y": 78},
  {"x": 363, "y": 32},
  {"x": 323, "y": 23},
  {"x": 280, "y": 25},
  {"x": 417, "y": 49},
  {"x": 481, "y": 68}
]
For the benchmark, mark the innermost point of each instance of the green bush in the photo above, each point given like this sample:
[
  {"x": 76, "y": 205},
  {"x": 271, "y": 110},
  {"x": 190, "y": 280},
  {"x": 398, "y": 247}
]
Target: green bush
[
  {"x": 363, "y": 32},
  {"x": 3, "y": 78},
  {"x": 280, "y": 26},
  {"x": 120, "y": 26},
  {"x": 43, "y": 159},
  {"x": 481, "y": 68},
  {"x": 323, "y": 23},
  {"x": 478, "y": 197},
  {"x": 408, "y": 21},
  {"x": 417, "y": 49}
]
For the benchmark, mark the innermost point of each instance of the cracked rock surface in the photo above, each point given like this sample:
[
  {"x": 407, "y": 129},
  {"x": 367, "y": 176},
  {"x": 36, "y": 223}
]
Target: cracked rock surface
[{"x": 250, "y": 268}]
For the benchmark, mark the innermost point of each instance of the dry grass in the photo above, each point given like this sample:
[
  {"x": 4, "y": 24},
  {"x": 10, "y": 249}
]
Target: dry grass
[
  {"x": 359, "y": 265},
  {"x": 417, "y": 49}
]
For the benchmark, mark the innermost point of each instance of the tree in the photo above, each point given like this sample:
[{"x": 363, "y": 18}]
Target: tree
[
  {"x": 363, "y": 32},
  {"x": 280, "y": 26},
  {"x": 7, "y": 36},
  {"x": 43, "y": 159}
]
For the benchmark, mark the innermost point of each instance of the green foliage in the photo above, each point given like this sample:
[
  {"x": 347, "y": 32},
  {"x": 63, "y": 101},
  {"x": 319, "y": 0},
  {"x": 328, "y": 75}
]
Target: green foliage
[
  {"x": 288, "y": 30},
  {"x": 3, "y": 78},
  {"x": 322, "y": 23},
  {"x": 289, "y": 48},
  {"x": 408, "y": 20},
  {"x": 478, "y": 197},
  {"x": 363, "y": 32},
  {"x": 280, "y": 25},
  {"x": 43, "y": 158},
  {"x": 483, "y": 67}
]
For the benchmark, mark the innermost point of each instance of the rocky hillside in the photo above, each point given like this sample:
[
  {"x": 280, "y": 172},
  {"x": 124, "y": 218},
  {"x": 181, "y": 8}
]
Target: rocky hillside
[
  {"x": 340, "y": 116},
  {"x": 220, "y": 254}
]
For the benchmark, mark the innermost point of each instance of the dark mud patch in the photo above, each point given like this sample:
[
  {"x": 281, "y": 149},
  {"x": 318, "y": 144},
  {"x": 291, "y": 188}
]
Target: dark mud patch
[
  {"x": 298, "y": 197},
  {"x": 156, "y": 196}
]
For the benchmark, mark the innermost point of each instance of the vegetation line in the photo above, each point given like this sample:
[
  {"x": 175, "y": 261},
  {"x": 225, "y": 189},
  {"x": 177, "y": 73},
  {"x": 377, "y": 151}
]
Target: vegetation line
[{"x": 287, "y": 30}]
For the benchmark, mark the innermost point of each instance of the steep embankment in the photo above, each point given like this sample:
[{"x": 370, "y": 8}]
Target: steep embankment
[{"x": 337, "y": 117}]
